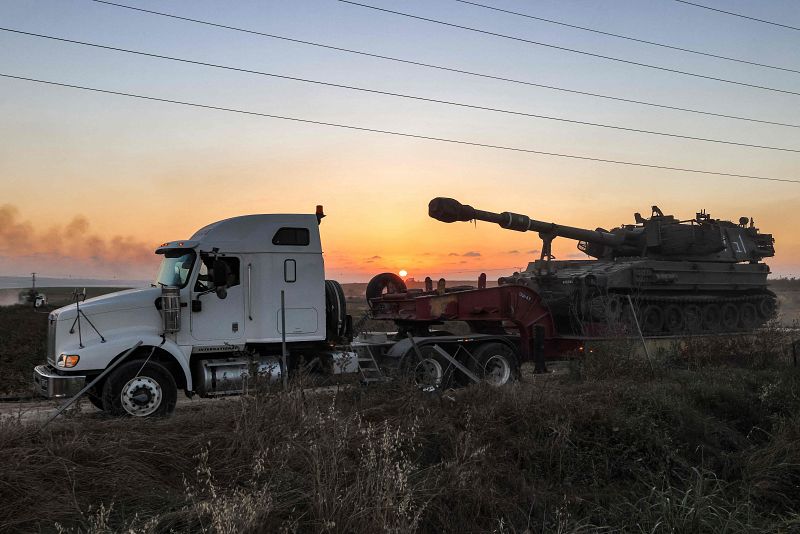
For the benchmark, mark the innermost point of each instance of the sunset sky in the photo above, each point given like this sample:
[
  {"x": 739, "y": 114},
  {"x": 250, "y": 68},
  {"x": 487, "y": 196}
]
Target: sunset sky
[{"x": 91, "y": 183}]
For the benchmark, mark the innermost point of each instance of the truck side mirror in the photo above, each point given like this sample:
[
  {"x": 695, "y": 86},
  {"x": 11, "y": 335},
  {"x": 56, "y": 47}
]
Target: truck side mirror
[{"x": 221, "y": 271}]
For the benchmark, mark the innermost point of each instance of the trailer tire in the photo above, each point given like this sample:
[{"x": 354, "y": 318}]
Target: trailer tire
[
  {"x": 430, "y": 373},
  {"x": 495, "y": 363},
  {"x": 140, "y": 388},
  {"x": 384, "y": 282}
]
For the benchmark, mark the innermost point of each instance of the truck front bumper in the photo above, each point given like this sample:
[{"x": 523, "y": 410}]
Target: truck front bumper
[{"x": 52, "y": 385}]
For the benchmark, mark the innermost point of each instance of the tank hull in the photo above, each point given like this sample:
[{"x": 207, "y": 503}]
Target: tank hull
[{"x": 599, "y": 297}]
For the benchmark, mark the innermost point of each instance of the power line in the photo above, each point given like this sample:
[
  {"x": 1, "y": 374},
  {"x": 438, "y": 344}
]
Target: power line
[
  {"x": 739, "y": 15},
  {"x": 448, "y": 69},
  {"x": 400, "y": 95},
  {"x": 399, "y": 134},
  {"x": 629, "y": 38},
  {"x": 572, "y": 50}
]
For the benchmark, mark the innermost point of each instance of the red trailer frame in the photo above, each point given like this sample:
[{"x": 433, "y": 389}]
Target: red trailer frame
[{"x": 509, "y": 306}]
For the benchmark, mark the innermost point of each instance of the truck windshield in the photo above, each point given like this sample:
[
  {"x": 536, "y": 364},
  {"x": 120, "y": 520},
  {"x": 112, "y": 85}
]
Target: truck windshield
[{"x": 175, "y": 268}]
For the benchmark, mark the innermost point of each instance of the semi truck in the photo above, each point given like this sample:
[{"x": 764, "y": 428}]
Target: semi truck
[
  {"x": 212, "y": 317},
  {"x": 243, "y": 298}
]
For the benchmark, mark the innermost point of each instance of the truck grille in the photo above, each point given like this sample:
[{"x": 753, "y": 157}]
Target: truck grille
[{"x": 51, "y": 340}]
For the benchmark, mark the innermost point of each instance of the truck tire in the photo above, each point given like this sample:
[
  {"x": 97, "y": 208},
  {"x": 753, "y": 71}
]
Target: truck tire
[
  {"x": 335, "y": 311},
  {"x": 95, "y": 396},
  {"x": 139, "y": 388},
  {"x": 495, "y": 363}
]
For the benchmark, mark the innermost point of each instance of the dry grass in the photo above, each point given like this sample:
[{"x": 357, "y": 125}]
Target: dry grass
[
  {"x": 691, "y": 444},
  {"x": 710, "y": 450}
]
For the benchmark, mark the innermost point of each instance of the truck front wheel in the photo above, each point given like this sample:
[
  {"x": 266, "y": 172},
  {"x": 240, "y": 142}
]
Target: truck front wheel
[{"x": 140, "y": 388}]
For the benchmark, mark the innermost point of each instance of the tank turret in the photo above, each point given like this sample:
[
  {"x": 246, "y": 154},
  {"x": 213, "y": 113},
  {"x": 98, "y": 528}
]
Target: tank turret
[
  {"x": 697, "y": 275},
  {"x": 660, "y": 236}
]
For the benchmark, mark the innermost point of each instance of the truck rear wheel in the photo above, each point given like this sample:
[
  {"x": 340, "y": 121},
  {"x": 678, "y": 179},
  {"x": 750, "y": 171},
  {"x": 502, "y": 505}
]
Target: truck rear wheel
[
  {"x": 495, "y": 363},
  {"x": 140, "y": 388}
]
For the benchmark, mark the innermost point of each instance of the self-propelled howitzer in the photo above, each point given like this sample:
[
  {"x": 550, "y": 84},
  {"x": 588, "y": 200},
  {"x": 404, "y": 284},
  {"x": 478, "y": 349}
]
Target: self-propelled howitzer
[{"x": 697, "y": 275}]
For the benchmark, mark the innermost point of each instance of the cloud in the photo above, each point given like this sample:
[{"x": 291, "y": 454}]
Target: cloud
[
  {"x": 513, "y": 251},
  {"x": 454, "y": 254},
  {"x": 71, "y": 248},
  {"x": 471, "y": 254},
  {"x": 534, "y": 251},
  {"x": 374, "y": 258}
]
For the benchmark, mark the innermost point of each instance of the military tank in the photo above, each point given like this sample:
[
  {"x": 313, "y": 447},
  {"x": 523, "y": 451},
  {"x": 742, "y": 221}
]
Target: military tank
[{"x": 671, "y": 276}]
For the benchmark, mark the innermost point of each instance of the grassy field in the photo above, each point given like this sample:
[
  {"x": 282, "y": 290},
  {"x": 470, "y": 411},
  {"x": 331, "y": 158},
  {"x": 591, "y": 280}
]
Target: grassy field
[
  {"x": 23, "y": 337},
  {"x": 608, "y": 446},
  {"x": 704, "y": 439}
]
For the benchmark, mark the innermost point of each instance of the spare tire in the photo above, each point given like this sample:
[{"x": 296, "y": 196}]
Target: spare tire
[
  {"x": 384, "y": 283},
  {"x": 335, "y": 311}
]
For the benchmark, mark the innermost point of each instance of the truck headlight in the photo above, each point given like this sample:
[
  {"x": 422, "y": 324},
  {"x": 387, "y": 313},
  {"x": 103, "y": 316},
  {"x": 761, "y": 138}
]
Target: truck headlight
[{"x": 67, "y": 360}]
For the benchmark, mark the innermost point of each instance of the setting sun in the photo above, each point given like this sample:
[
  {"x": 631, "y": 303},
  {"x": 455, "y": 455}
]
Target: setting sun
[{"x": 403, "y": 273}]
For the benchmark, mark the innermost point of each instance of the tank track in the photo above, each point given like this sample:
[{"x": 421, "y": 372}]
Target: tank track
[{"x": 680, "y": 314}]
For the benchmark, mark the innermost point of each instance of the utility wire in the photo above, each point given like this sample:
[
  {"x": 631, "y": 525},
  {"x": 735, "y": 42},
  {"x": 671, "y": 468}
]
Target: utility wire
[
  {"x": 399, "y": 134},
  {"x": 739, "y": 15},
  {"x": 400, "y": 95},
  {"x": 627, "y": 37},
  {"x": 449, "y": 69},
  {"x": 572, "y": 50}
]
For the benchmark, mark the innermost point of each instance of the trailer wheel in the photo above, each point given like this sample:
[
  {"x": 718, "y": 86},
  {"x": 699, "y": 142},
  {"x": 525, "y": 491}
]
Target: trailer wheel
[
  {"x": 384, "y": 283},
  {"x": 429, "y": 373},
  {"x": 495, "y": 363},
  {"x": 140, "y": 388}
]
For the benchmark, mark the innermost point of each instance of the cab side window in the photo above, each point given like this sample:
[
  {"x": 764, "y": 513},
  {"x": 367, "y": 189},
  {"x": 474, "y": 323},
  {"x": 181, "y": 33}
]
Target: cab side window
[
  {"x": 205, "y": 277},
  {"x": 292, "y": 237},
  {"x": 233, "y": 271}
]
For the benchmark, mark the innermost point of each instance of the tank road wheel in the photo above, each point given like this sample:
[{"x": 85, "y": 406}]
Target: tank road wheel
[
  {"x": 652, "y": 319},
  {"x": 693, "y": 316},
  {"x": 730, "y": 317},
  {"x": 748, "y": 316},
  {"x": 767, "y": 308},
  {"x": 140, "y": 389},
  {"x": 613, "y": 309},
  {"x": 674, "y": 320},
  {"x": 712, "y": 317},
  {"x": 494, "y": 363}
]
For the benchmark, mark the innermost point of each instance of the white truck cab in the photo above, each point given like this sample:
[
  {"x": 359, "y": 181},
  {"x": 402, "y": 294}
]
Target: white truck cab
[{"x": 212, "y": 319}]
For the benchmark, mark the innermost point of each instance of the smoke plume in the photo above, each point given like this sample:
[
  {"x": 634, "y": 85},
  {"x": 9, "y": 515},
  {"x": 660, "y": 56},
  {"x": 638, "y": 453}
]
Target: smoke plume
[{"x": 70, "y": 249}]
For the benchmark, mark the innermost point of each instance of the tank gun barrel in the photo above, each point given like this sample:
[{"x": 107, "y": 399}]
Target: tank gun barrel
[{"x": 450, "y": 210}]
